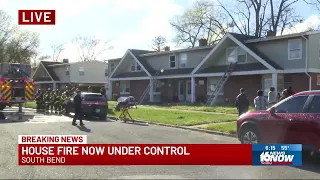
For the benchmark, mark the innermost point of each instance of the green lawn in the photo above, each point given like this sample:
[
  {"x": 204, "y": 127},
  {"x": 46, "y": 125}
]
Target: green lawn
[
  {"x": 217, "y": 109},
  {"x": 181, "y": 118},
  {"x": 228, "y": 127}
]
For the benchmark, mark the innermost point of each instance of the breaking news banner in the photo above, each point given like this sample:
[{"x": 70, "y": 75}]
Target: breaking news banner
[
  {"x": 74, "y": 150},
  {"x": 277, "y": 154}
]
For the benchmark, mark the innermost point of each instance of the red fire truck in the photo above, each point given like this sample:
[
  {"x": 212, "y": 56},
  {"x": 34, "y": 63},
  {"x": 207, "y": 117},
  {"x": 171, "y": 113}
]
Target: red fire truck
[{"x": 16, "y": 86}]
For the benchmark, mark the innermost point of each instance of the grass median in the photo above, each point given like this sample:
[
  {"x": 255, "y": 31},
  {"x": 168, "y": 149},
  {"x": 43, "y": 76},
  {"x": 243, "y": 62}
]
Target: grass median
[{"x": 180, "y": 118}]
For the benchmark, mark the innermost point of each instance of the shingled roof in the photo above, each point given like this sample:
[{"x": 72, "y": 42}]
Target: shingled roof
[{"x": 50, "y": 70}]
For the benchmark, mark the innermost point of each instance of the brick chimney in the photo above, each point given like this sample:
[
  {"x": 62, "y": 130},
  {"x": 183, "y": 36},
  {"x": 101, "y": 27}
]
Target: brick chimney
[
  {"x": 203, "y": 42},
  {"x": 167, "y": 48},
  {"x": 271, "y": 33},
  {"x": 65, "y": 60}
]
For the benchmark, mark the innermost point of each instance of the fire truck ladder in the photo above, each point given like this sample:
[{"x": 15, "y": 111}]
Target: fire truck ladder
[
  {"x": 213, "y": 97},
  {"x": 146, "y": 91}
]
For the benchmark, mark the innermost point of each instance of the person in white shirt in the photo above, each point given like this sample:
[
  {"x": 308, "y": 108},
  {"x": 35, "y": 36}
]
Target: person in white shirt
[{"x": 272, "y": 96}]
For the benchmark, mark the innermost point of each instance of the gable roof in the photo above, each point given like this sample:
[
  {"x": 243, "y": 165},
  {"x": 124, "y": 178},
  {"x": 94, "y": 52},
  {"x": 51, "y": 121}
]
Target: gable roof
[
  {"x": 244, "y": 38},
  {"x": 49, "y": 68}
]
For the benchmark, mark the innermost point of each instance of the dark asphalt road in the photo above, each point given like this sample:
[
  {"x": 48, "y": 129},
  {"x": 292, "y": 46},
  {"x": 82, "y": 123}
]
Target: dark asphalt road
[{"x": 117, "y": 132}]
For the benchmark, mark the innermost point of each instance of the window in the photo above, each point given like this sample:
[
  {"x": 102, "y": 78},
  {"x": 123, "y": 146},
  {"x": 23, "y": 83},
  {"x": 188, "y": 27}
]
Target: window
[
  {"x": 67, "y": 71},
  {"x": 318, "y": 80},
  {"x": 81, "y": 71},
  {"x": 236, "y": 54},
  {"x": 294, "y": 49},
  {"x": 183, "y": 60},
  {"x": 135, "y": 66},
  {"x": 242, "y": 55},
  {"x": 315, "y": 105},
  {"x": 106, "y": 72},
  {"x": 94, "y": 97},
  {"x": 156, "y": 86},
  {"x": 292, "y": 105},
  {"x": 112, "y": 67},
  {"x": 124, "y": 87},
  {"x": 172, "y": 61},
  {"x": 212, "y": 84},
  {"x": 231, "y": 55}
]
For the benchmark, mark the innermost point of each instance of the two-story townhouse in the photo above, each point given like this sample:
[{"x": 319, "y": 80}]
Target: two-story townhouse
[
  {"x": 190, "y": 75},
  {"x": 59, "y": 74}
]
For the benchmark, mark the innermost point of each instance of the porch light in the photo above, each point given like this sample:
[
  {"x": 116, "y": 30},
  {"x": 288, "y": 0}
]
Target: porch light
[{"x": 161, "y": 70}]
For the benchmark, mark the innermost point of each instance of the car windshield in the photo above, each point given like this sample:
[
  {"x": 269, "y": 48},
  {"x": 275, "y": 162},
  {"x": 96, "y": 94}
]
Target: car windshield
[{"x": 94, "y": 97}]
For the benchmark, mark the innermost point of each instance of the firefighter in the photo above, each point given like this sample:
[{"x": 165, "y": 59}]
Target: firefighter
[
  {"x": 52, "y": 98},
  {"x": 57, "y": 108},
  {"x": 38, "y": 99},
  {"x": 47, "y": 100},
  {"x": 62, "y": 101}
]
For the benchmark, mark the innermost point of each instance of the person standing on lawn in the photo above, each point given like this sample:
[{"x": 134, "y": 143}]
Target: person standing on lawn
[
  {"x": 242, "y": 102},
  {"x": 260, "y": 102},
  {"x": 272, "y": 96}
]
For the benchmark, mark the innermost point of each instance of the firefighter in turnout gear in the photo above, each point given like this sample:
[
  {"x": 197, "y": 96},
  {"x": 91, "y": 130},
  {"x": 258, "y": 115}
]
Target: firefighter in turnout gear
[
  {"x": 39, "y": 99},
  {"x": 47, "y": 100},
  {"x": 62, "y": 101},
  {"x": 57, "y": 97},
  {"x": 52, "y": 98}
]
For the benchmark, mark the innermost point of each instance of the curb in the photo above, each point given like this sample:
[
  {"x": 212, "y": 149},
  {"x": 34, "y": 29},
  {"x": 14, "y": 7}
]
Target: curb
[{"x": 184, "y": 127}]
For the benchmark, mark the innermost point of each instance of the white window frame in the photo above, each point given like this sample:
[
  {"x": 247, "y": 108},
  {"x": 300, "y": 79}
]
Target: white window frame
[
  {"x": 183, "y": 59},
  {"x": 300, "y": 48},
  {"x": 127, "y": 84},
  {"x": 318, "y": 80},
  {"x": 236, "y": 54},
  {"x": 175, "y": 62},
  {"x": 112, "y": 66},
  {"x": 68, "y": 71},
  {"x": 209, "y": 91},
  {"x": 157, "y": 83},
  {"x": 135, "y": 65},
  {"x": 106, "y": 72},
  {"x": 81, "y": 71}
]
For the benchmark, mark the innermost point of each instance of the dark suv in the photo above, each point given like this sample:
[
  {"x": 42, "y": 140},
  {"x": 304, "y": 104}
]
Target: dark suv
[
  {"x": 93, "y": 104},
  {"x": 294, "y": 120}
]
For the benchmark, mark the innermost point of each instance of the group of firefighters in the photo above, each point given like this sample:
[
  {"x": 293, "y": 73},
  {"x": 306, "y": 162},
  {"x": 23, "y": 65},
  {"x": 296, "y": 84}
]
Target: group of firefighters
[{"x": 53, "y": 101}]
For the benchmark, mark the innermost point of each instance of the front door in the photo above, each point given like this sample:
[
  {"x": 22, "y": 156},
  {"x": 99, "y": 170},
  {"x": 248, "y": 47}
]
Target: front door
[
  {"x": 188, "y": 90},
  {"x": 182, "y": 90}
]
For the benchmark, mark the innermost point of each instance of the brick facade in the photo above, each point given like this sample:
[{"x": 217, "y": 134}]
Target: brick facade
[
  {"x": 252, "y": 83},
  {"x": 169, "y": 89}
]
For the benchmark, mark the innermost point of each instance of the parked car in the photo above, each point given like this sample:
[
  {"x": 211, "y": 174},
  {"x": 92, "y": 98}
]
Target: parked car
[
  {"x": 93, "y": 104},
  {"x": 294, "y": 120}
]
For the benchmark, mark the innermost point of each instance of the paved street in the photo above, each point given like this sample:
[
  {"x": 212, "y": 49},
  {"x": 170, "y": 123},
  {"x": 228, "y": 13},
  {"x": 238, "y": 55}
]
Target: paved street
[{"x": 117, "y": 132}]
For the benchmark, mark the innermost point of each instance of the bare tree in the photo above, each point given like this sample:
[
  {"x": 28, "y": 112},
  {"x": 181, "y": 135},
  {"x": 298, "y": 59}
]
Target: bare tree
[
  {"x": 256, "y": 17},
  {"x": 158, "y": 43},
  {"x": 90, "y": 48},
  {"x": 57, "y": 50},
  {"x": 203, "y": 20}
]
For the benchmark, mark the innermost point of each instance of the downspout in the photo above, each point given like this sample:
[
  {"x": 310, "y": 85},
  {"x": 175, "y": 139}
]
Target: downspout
[{"x": 307, "y": 62}]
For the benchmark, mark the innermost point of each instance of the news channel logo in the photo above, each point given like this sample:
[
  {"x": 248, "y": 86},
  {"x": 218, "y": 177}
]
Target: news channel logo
[{"x": 277, "y": 154}]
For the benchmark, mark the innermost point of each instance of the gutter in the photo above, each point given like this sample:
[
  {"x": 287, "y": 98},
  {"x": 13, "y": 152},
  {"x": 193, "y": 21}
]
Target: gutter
[{"x": 307, "y": 62}]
